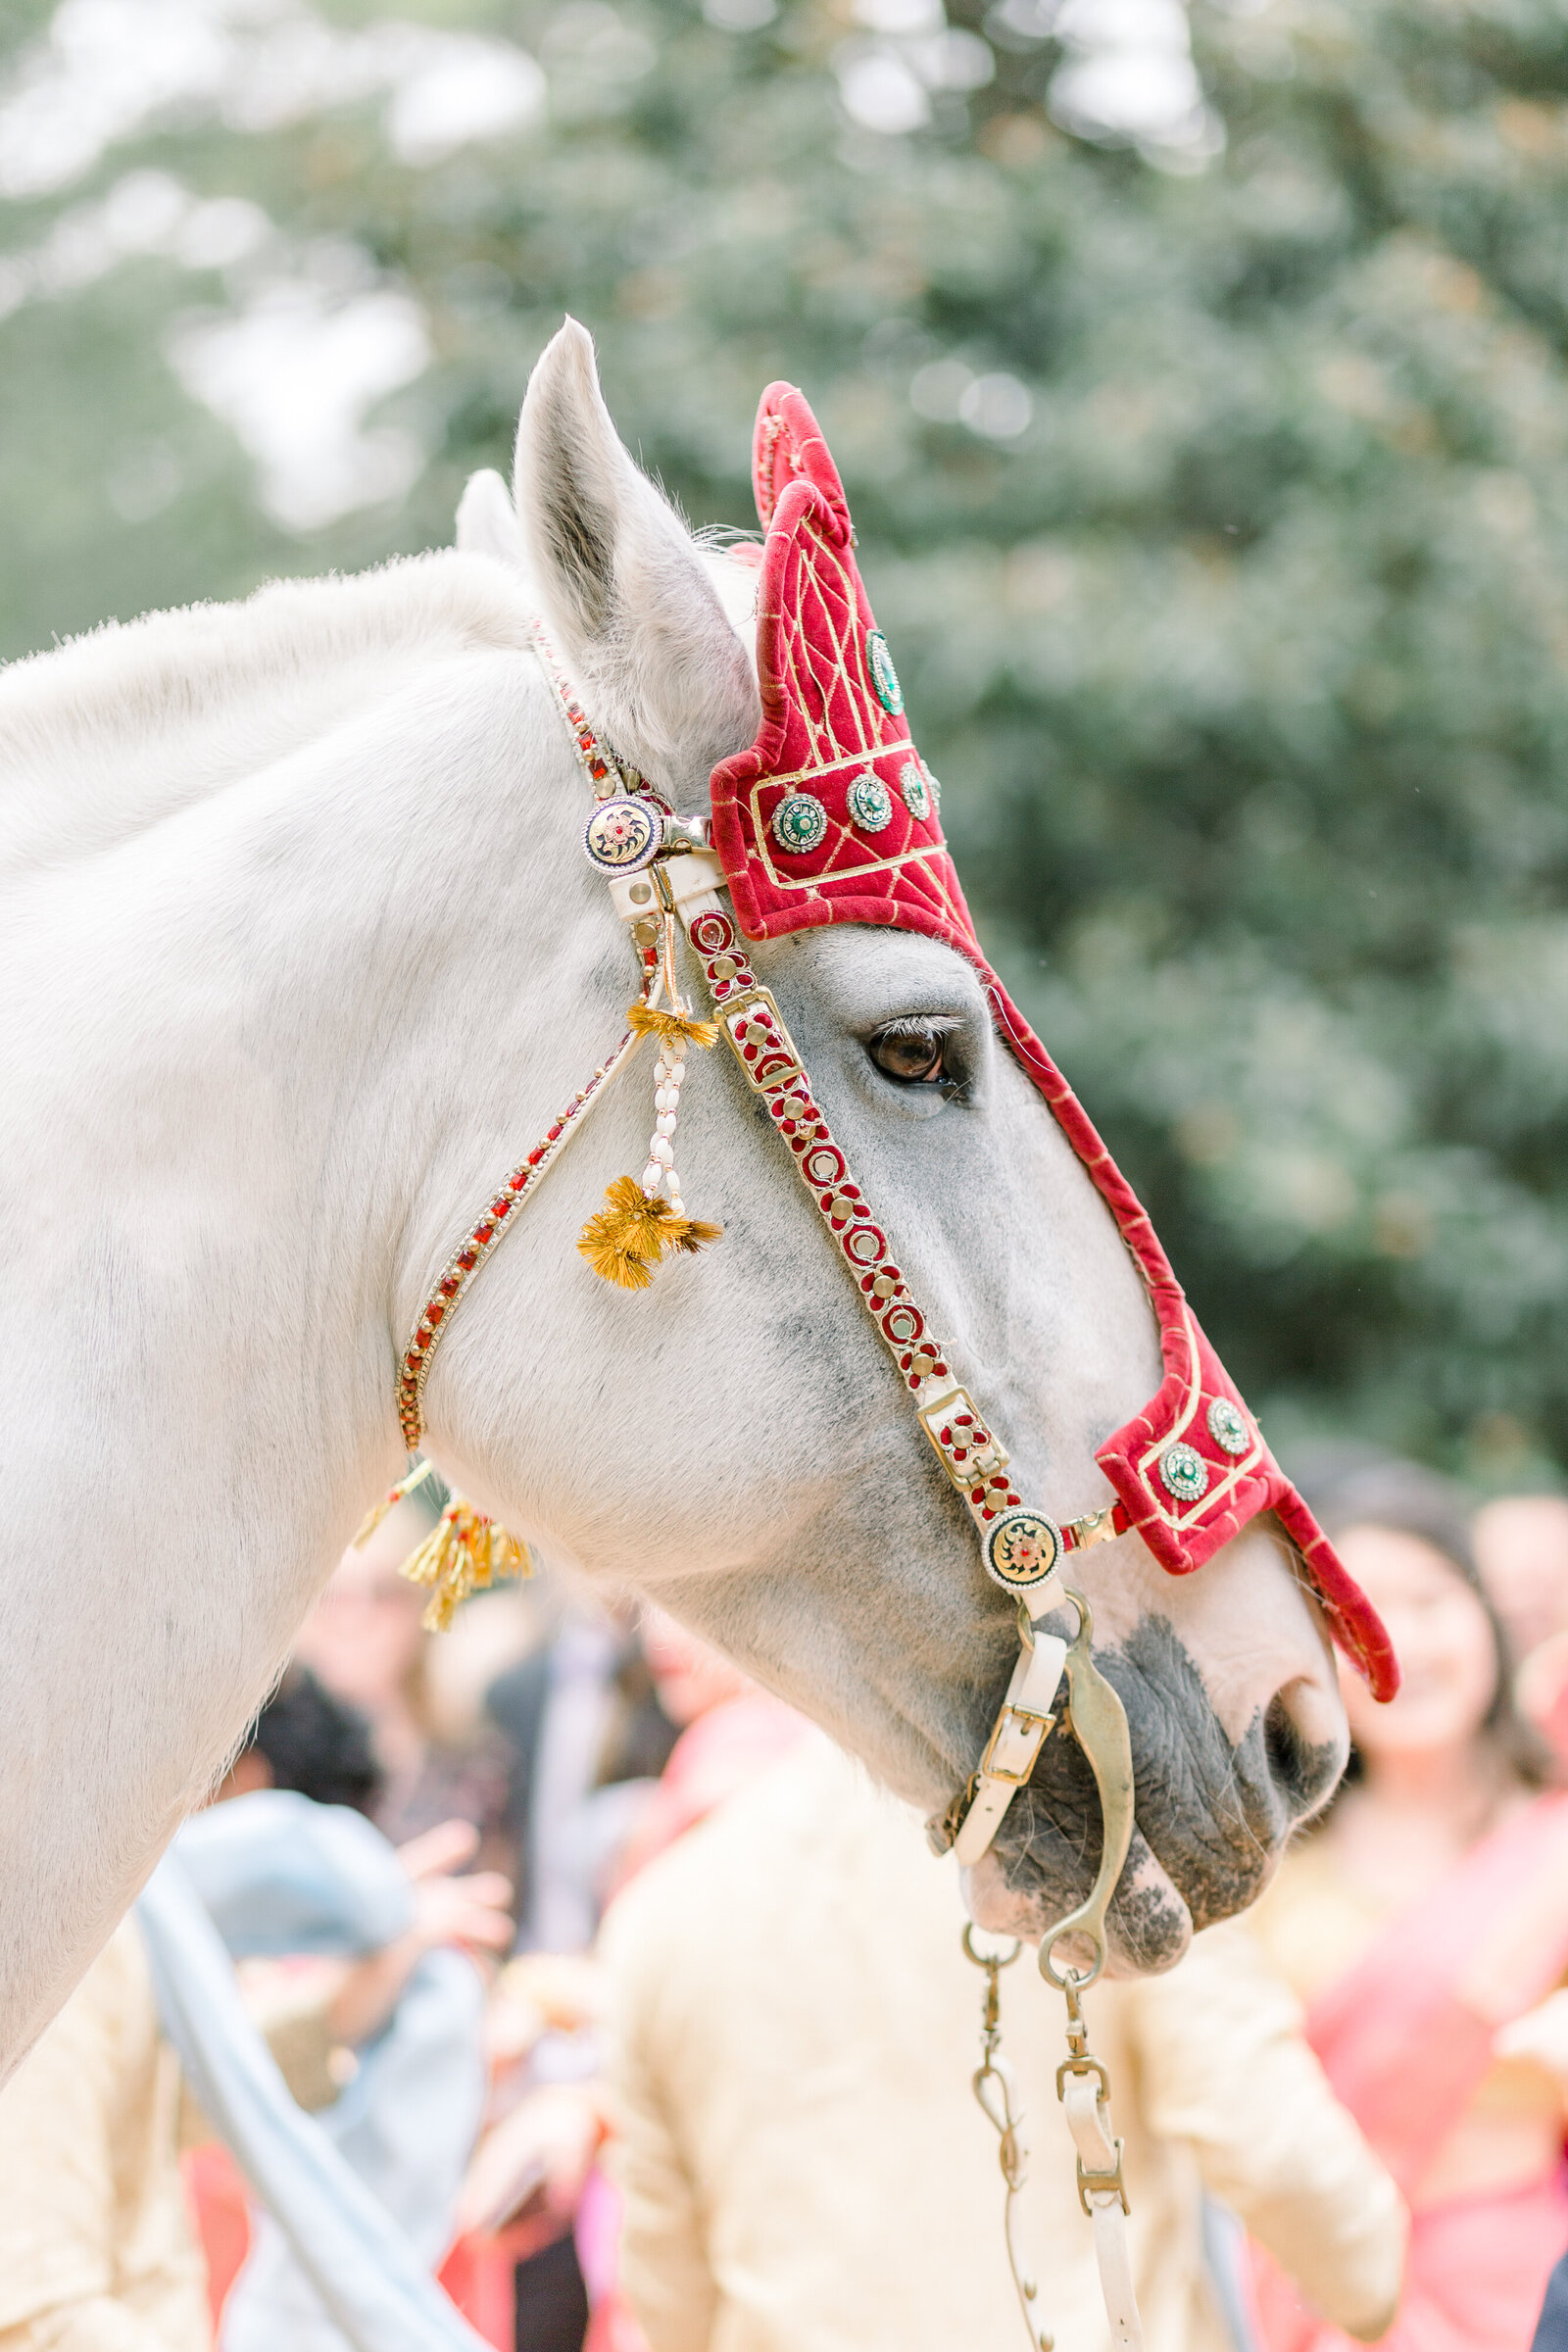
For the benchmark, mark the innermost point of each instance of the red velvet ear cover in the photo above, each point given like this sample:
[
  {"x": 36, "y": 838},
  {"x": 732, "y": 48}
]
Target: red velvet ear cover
[{"x": 833, "y": 817}]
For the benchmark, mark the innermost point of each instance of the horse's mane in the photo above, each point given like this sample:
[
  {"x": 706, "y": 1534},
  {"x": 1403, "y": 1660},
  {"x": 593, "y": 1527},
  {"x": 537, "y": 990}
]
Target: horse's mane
[{"x": 115, "y": 730}]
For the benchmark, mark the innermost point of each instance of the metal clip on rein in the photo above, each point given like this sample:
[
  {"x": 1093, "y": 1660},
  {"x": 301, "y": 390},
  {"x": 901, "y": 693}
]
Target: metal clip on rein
[{"x": 1097, "y": 1720}]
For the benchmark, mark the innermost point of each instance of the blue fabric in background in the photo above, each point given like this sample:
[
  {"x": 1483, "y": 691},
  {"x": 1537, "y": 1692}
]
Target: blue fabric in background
[
  {"x": 359, "y": 2198},
  {"x": 278, "y": 1874}
]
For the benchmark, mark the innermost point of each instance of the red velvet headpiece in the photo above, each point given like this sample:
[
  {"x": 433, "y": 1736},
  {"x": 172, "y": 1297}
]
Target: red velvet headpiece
[{"x": 833, "y": 817}]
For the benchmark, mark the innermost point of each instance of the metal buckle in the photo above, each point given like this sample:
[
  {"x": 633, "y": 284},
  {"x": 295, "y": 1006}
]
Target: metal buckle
[
  {"x": 1088, "y": 2181},
  {"x": 942, "y": 1829},
  {"x": 1034, "y": 1730},
  {"x": 935, "y": 1418},
  {"x": 1094, "y": 1527},
  {"x": 694, "y": 874},
  {"x": 778, "y": 1062},
  {"x": 1111, "y": 2177}
]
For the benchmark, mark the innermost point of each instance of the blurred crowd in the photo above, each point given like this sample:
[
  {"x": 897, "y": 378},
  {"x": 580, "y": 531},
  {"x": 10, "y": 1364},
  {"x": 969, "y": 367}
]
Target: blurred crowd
[{"x": 641, "y": 2020}]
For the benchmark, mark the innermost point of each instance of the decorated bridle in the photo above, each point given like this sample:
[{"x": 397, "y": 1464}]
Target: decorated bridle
[{"x": 832, "y": 816}]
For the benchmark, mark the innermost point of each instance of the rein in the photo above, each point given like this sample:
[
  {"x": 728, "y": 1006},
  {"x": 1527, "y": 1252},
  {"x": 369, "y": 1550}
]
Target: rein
[{"x": 663, "y": 879}]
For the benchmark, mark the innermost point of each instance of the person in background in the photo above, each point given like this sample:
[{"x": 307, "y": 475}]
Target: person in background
[
  {"x": 364, "y": 1642},
  {"x": 804, "y": 2164},
  {"x": 319, "y": 2008},
  {"x": 587, "y": 1739},
  {"x": 540, "y": 2153},
  {"x": 306, "y": 1740},
  {"x": 97, "y": 2253},
  {"x": 1521, "y": 1545},
  {"x": 1521, "y": 1548},
  {"x": 1425, "y": 1926},
  {"x": 731, "y": 1732}
]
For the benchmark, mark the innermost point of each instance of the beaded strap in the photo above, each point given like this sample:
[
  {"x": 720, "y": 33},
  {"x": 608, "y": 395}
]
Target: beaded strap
[
  {"x": 484, "y": 1237},
  {"x": 608, "y": 773},
  {"x": 970, "y": 1453}
]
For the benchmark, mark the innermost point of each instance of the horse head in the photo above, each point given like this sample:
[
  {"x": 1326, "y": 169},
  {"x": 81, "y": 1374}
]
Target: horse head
[{"x": 734, "y": 1442}]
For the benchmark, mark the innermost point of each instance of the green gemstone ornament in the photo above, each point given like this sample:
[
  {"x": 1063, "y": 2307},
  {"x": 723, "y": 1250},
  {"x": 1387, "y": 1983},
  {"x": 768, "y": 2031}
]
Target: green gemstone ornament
[
  {"x": 1227, "y": 1426},
  {"x": 870, "y": 802},
  {"x": 800, "y": 824},
  {"x": 884, "y": 678},
  {"x": 1185, "y": 1472}
]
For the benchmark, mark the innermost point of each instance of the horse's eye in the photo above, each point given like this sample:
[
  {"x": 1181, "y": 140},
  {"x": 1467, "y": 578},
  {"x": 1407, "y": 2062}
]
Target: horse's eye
[{"x": 915, "y": 1053}]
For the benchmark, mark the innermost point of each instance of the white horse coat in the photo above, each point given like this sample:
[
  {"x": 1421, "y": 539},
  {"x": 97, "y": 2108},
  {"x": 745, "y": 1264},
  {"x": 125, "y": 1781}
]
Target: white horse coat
[{"x": 298, "y": 952}]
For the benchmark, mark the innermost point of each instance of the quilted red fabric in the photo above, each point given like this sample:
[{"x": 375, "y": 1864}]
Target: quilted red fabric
[{"x": 832, "y": 816}]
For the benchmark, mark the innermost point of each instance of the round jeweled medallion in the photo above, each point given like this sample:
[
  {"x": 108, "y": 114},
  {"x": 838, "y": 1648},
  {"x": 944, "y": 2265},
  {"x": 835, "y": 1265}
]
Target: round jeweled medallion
[
  {"x": 1227, "y": 1426},
  {"x": 622, "y": 836},
  {"x": 799, "y": 823},
  {"x": 1185, "y": 1472},
  {"x": 884, "y": 678},
  {"x": 912, "y": 784},
  {"x": 870, "y": 802},
  {"x": 1021, "y": 1548}
]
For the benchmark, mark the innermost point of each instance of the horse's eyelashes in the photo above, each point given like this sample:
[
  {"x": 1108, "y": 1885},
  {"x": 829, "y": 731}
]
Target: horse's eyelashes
[{"x": 913, "y": 1053}]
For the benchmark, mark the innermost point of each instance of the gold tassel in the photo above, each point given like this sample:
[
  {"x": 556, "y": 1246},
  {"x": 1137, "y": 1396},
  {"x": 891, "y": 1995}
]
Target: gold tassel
[
  {"x": 390, "y": 1500},
  {"x": 671, "y": 1028},
  {"x": 626, "y": 1240},
  {"x": 690, "y": 1234},
  {"x": 621, "y": 1242},
  {"x": 466, "y": 1552}
]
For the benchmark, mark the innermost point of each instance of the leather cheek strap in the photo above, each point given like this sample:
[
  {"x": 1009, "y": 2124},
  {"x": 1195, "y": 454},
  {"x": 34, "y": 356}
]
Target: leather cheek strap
[{"x": 1017, "y": 1736}]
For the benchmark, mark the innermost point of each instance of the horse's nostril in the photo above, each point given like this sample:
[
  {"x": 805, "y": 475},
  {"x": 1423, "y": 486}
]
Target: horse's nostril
[{"x": 1305, "y": 1745}]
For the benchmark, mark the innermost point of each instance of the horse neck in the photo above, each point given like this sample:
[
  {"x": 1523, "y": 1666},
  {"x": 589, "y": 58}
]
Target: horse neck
[
  {"x": 119, "y": 730},
  {"x": 302, "y": 1020}
]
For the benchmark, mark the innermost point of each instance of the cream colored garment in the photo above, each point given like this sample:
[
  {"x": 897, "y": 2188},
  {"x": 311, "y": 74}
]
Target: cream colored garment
[
  {"x": 96, "y": 2248},
  {"x": 804, "y": 2164}
]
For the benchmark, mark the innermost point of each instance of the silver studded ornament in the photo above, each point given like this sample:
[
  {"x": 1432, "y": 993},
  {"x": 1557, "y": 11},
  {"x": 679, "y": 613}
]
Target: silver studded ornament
[
  {"x": 912, "y": 787},
  {"x": 1021, "y": 1548},
  {"x": 1227, "y": 1426},
  {"x": 1185, "y": 1472},
  {"x": 799, "y": 824},
  {"x": 623, "y": 836},
  {"x": 870, "y": 802}
]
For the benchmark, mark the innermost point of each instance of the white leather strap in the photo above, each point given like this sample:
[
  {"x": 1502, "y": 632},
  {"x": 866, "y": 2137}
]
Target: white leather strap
[
  {"x": 1016, "y": 1738},
  {"x": 1099, "y": 2187}
]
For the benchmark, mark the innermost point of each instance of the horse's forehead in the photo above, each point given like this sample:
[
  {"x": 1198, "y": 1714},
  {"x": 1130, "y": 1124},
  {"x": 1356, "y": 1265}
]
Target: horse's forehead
[{"x": 865, "y": 972}]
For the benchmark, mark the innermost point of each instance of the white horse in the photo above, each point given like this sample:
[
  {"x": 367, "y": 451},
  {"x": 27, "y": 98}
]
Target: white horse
[{"x": 298, "y": 952}]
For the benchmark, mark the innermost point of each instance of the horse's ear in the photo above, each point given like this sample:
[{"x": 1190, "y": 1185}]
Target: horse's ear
[
  {"x": 623, "y": 589},
  {"x": 487, "y": 521}
]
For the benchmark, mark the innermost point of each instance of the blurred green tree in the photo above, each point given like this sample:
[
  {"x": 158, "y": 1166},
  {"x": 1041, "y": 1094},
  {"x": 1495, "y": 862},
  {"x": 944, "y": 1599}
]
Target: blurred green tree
[{"x": 1212, "y": 487}]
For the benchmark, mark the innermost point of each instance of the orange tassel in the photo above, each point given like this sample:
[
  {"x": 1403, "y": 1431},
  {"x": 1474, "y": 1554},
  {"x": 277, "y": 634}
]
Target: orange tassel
[
  {"x": 671, "y": 1028},
  {"x": 390, "y": 1500},
  {"x": 466, "y": 1552},
  {"x": 634, "y": 1229}
]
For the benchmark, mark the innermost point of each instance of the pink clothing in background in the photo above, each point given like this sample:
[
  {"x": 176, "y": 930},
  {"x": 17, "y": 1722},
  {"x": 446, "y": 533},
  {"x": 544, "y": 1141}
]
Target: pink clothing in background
[
  {"x": 1407, "y": 2054},
  {"x": 715, "y": 1759}
]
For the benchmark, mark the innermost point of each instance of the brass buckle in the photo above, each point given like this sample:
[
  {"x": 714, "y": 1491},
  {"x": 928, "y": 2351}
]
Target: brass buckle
[
  {"x": 1094, "y": 1527},
  {"x": 1088, "y": 2181},
  {"x": 1033, "y": 1728},
  {"x": 778, "y": 1062},
  {"x": 934, "y": 1418},
  {"x": 942, "y": 1829},
  {"x": 1111, "y": 2177}
]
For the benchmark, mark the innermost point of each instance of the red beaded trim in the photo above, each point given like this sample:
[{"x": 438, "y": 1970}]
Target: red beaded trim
[
  {"x": 482, "y": 1237},
  {"x": 609, "y": 775},
  {"x": 766, "y": 1054}
]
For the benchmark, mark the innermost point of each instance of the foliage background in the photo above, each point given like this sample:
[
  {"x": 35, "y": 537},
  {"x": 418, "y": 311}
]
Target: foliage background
[{"x": 1213, "y": 495}]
